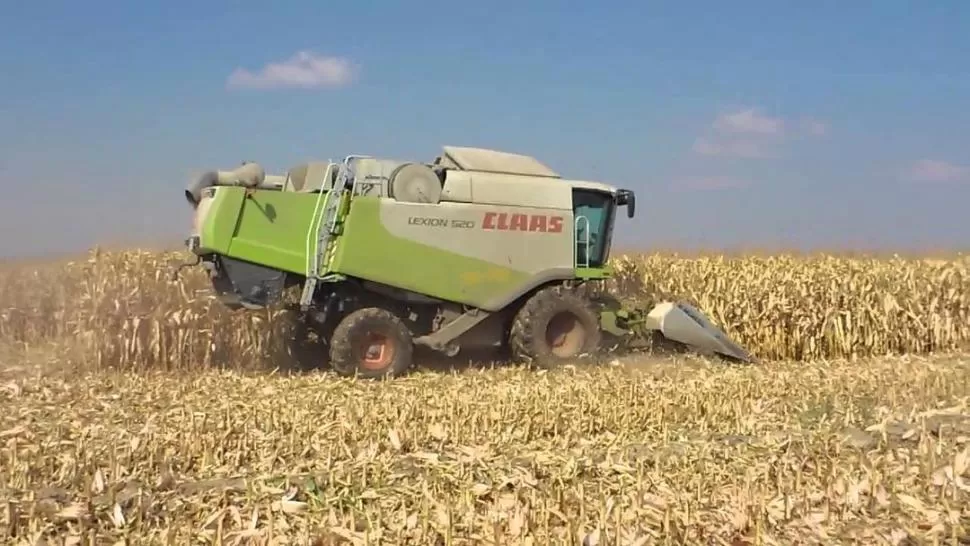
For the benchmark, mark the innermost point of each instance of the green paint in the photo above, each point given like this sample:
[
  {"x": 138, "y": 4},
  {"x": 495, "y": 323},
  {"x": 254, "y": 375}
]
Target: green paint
[
  {"x": 608, "y": 323},
  {"x": 368, "y": 250},
  {"x": 315, "y": 222},
  {"x": 266, "y": 227},
  {"x": 594, "y": 273},
  {"x": 215, "y": 235}
]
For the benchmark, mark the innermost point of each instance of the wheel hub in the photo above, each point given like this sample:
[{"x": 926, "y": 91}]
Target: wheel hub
[
  {"x": 377, "y": 351},
  {"x": 565, "y": 335}
]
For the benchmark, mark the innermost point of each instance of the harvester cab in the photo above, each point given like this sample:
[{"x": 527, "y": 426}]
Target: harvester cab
[{"x": 476, "y": 248}]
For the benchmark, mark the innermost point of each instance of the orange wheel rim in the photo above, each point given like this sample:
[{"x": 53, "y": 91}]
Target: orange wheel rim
[
  {"x": 376, "y": 350},
  {"x": 565, "y": 335}
]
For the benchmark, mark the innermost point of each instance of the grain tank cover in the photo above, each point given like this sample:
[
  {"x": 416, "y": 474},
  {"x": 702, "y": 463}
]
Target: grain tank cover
[
  {"x": 493, "y": 161},
  {"x": 312, "y": 176}
]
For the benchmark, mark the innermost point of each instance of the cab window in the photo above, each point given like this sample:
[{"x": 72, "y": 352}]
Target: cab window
[{"x": 593, "y": 216}]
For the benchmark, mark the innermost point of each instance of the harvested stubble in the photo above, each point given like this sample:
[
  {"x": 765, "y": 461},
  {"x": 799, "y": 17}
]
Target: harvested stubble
[
  {"x": 675, "y": 453},
  {"x": 121, "y": 310}
]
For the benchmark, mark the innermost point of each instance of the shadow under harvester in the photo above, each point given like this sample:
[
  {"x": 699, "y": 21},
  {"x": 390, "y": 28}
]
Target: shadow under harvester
[{"x": 307, "y": 352}]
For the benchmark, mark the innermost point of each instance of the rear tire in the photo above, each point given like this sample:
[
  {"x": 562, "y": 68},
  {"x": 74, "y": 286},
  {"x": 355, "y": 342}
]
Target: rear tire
[
  {"x": 555, "y": 326},
  {"x": 371, "y": 343}
]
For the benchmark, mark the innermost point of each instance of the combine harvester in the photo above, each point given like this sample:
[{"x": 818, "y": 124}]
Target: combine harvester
[{"x": 479, "y": 248}]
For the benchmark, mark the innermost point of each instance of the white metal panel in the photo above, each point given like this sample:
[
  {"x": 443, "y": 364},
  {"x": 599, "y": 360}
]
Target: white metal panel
[{"x": 481, "y": 159}]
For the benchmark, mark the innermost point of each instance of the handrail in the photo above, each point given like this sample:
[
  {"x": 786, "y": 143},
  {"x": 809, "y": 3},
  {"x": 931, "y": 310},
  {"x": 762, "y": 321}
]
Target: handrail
[
  {"x": 318, "y": 207},
  {"x": 327, "y": 225}
]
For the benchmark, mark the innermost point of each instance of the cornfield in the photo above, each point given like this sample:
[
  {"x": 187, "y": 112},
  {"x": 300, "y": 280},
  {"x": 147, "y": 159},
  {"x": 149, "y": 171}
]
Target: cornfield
[
  {"x": 101, "y": 443},
  {"x": 121, "y": 309}
]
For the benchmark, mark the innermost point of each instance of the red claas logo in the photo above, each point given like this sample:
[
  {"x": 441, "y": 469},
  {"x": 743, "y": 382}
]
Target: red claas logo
[{"x": 503, "y": 221}]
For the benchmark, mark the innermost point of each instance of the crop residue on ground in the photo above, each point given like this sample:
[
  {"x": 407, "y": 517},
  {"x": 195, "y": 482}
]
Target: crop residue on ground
[{"x": 667, "y": 452}]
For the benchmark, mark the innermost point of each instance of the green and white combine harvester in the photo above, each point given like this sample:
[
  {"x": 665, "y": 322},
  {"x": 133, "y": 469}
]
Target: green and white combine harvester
[{"x": 476, "y": 249}]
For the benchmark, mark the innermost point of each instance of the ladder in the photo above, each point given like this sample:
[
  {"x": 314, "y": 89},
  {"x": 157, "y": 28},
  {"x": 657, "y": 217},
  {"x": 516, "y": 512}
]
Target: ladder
[{"x": 331, "y": 203}]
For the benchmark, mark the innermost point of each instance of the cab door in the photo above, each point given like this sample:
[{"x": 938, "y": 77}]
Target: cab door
[{"x": 592, "y": 221}]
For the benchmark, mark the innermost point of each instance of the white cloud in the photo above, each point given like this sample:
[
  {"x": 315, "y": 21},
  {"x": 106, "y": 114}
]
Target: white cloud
[
  {"x": 748, "y": 121},
  {"x": 934, "y": 170},
  {"x": 748, "y": 133},
  {"x": 304, "y": 70}
]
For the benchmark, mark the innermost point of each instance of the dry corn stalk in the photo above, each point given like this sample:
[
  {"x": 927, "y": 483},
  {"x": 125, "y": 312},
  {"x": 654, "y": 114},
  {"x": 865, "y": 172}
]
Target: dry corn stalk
[{"x": 122, "y": 310}]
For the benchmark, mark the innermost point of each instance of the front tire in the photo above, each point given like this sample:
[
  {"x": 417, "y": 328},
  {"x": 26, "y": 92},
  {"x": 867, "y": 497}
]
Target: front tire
[
  {"x": 371, "y": 343},
  {"x": 555, "y": 326}
]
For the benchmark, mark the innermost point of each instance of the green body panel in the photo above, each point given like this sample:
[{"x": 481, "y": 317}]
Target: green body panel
[
  {"x": 370, "y": 251},
  {"x": 265, "y": 227},
  {"x": 216, "y": 232},
  {"x": 594, "y": 273}
]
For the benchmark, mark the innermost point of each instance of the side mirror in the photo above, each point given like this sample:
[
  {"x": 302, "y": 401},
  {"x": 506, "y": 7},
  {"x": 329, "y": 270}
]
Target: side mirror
[{"x": 627, "y": 199}]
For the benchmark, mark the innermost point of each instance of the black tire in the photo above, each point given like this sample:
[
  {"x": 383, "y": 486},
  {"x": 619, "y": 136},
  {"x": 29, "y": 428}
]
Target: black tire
[
  {"x": 358, "y": 332},
  {"x": 553, "y": 315}
]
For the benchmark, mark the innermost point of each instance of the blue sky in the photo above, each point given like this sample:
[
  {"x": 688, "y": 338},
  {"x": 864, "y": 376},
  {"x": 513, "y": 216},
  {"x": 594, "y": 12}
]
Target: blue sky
[{"x": 813, "y": 124}]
